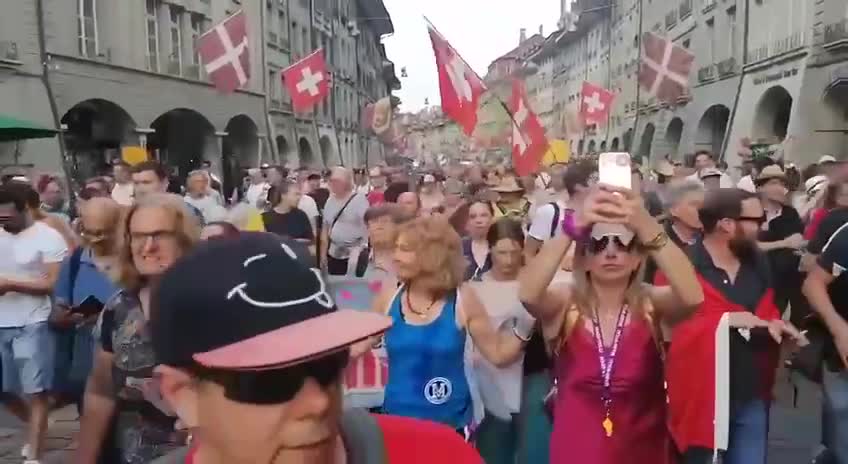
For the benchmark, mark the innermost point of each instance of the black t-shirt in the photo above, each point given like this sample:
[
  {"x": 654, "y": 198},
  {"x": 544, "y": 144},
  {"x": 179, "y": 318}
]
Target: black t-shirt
[
  {"x": 783, "y": 262},
  {"x": 294, "y": 224},
  {"x": 832, "y": 237},
  {"x": 320, "y": 195}
]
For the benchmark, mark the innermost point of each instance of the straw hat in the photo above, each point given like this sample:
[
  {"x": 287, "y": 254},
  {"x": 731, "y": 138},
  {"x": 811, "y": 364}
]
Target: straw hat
[
  {"x": 509, "y": 184},
  {"x": 770, "y": 172},
  {"x": 664, "y": 168}
]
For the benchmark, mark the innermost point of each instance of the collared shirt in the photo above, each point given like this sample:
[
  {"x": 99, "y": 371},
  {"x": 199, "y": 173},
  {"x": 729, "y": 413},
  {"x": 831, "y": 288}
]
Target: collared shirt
[{"x": 751, "y": 283}]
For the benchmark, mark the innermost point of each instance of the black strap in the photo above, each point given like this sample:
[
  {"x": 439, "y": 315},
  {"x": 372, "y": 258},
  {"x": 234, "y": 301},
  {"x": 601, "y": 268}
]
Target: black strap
[
  {"x": 336, "y": 219},
  {"x": 555, "y": 221},
  {"x": 363, "y": 438},
  {"x": 362, "y": 261}
]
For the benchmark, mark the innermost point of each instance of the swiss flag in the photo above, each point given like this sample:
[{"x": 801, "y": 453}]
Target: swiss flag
[
  {"x": 595, "y": 104},
  {"x": 307, "y": 81},
  {"x": 459, "y": 85},
  {"x": 224, "y": 53},
  {"x": 529, "y": 142},
  {"x": 665, "y": 68}
]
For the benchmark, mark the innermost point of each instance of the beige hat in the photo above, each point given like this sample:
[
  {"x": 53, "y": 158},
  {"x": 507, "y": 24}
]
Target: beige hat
[
  {"x": 770, "y": 172},
  {"x": 664, "y": 168},
  {"x": 826, "y": 159},
  {"x": 509, "y": 184},
  {"x": 709, "y": 172}
]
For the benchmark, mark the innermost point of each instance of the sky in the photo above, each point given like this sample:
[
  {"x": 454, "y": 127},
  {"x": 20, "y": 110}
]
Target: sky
[{"x": 480, "y": 30}]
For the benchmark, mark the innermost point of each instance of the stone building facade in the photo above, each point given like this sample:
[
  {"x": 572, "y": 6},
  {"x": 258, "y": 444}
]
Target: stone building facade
[
  {"x": 126, "y": 73},
  {"x": 773, "y": 71}
]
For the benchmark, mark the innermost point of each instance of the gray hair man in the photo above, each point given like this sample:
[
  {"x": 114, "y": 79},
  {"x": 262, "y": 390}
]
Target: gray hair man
[{"x": 343, "y": 232}]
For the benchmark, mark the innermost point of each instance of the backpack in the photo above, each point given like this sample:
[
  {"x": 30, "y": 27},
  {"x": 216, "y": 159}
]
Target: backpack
[
  {"x": 74, "y": 262},
  {"x": 362, "y": 437}
]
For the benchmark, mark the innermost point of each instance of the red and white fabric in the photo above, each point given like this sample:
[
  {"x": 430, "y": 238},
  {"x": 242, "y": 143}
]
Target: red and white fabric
[
  {"x": 224, "y": 52},
  {"x": 307, "y": 81},
  {"x": 665, "y": 67},
  {"x": 529, "y": 142},
  {"x": 459, "y": 85},
  {"x": 595, "y": 104}
]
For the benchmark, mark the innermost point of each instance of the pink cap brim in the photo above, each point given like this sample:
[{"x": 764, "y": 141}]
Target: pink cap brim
[{"x": 297, "y": 342}]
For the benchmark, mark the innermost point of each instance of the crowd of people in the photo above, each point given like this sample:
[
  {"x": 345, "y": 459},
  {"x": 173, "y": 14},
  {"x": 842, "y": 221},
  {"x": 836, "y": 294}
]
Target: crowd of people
[{"x": 546, "y": 318}]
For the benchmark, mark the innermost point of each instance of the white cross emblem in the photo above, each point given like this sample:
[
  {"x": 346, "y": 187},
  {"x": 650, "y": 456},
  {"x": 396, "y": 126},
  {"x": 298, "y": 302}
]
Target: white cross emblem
[
  {"x": 517, "y": 136},
  {"x": 594, "y": 103},
  {"x": 310, "y": 81},
  {"x": 521, "y": 113},
  {"x": 231, "y": 55},
  {"x": 456, "y": 70},
  {"x": 662, "y": 69}
]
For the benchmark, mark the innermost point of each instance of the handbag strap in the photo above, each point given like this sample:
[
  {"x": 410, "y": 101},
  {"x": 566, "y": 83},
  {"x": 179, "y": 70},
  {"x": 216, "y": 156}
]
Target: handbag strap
[{"x": 339, "y": 214}]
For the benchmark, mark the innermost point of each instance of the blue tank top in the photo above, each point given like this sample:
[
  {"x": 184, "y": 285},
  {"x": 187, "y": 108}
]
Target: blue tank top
[{"x": 427, "y": 368}]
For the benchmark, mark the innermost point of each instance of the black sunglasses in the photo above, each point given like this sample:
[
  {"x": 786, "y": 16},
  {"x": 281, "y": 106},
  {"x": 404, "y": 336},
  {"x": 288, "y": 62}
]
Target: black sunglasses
[
  {"x": 599, "y": 245},
  {"x": 275, "y": 386},
  {"x": 758, "y": 220}
]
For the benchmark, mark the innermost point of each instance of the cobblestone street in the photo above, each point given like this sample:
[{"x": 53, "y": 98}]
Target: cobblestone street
[{"x": 60, "y": 437}]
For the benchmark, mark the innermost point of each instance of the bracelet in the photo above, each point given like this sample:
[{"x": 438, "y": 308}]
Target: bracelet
[
  {"x": 656, "y": 243},
  {"x": 570, "y": 229},
  {"x": 522, "y": 337}
]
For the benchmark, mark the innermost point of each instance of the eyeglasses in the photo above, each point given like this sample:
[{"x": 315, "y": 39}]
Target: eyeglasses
[
  {"x": 275, "y": 386},
  {"x": 599, "y": 245},
  {"x": 138, "y": 238}
]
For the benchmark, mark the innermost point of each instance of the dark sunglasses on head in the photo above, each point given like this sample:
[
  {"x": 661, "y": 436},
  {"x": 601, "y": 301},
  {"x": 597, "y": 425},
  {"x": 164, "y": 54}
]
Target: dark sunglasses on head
[
  {"x": 599, "y": 245},
  {"x": 276, "y": 386},
  {"x": 758, "y": 220}
]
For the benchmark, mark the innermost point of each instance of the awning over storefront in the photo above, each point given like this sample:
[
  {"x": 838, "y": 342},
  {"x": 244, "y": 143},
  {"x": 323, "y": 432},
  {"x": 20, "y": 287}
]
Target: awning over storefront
[{"x": 18, "y": 129}]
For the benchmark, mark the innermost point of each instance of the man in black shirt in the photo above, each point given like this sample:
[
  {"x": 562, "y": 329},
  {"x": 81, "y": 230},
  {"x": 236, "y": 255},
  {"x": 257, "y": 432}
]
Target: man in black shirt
[{"x": 826, "y": 287}]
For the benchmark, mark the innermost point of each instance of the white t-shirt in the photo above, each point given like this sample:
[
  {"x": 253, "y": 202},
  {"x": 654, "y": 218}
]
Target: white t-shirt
[
  {"x": 540, "y": 227},
  {"x": 123, "y": 194},
  {"x": 747, "y": 184},
  {"x": 307, "y": 205},
  {"x": 255, "y": 193},
  {"x": 30, "y": 251}
]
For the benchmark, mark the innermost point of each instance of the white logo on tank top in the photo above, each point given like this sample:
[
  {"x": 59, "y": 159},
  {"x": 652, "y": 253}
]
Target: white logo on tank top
[{"x": 438, "y": 390}]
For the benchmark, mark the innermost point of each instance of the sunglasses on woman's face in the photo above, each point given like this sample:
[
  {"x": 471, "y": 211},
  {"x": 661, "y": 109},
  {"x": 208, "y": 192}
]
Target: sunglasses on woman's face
[
  {"x": 598, "y": 245},
  {"x": 276, "y": 386}
]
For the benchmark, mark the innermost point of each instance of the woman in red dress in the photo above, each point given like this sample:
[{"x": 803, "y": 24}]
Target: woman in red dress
[{"x": 604, "y": 330}]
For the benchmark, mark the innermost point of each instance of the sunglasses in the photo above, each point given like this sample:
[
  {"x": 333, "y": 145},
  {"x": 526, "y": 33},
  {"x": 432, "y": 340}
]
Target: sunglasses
[
  {"x": 758, "y": 220},
  {"x": 599, "y": 245},
  {"x": 275, "y": 386}
]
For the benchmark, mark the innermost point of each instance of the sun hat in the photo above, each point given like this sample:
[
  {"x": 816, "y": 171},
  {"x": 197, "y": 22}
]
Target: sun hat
[
  {"x": 249, "y": 303},
  {"x": 664, "y": 168},
  {"x": 815, "y": 184},
  {"x": 770, "y": 172},
  {"x": 708, "y": 172},
  {"x": 508, "y": 184},
  {"x": 826, "y": 159}
]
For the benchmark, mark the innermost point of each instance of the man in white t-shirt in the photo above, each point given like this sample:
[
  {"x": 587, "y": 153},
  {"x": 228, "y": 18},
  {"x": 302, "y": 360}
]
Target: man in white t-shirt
[
  {"x": 32, "y": 254},
  {"x": 258, "y": 189}
]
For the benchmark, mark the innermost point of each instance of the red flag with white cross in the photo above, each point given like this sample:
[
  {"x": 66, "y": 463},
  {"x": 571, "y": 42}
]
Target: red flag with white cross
[
  {"x": 595, "y": 104},
  {"x": 665, "y": 68},
  {"x": 459, "y": 85},
  {"x": 307, "y": 81},
  {"x": 529, "y": 142},
  {"x": 224, "y": 53}
]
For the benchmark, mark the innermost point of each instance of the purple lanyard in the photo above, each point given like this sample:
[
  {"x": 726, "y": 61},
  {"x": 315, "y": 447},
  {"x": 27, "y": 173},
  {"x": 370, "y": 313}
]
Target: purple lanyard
[{"x": 607, "y": 358}]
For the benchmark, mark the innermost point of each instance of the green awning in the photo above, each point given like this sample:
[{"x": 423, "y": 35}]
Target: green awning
[{"x": 18, "y": 129}]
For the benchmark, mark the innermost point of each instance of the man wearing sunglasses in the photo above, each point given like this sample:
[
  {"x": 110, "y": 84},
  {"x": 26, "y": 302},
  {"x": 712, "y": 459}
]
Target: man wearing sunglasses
[
  {"x": 725, "y": 408},
  {"x": 252, "y": 358}
]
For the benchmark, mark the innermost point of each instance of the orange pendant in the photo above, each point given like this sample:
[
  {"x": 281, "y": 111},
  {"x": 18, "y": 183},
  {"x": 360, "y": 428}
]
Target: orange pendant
[{"x": 607, "y": 424}]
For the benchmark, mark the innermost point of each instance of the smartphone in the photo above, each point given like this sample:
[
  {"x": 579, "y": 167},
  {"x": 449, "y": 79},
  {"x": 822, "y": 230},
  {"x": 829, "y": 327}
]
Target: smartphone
[
  {"x": 89, "y": 306},
  {"x": 614, "y": 169}
]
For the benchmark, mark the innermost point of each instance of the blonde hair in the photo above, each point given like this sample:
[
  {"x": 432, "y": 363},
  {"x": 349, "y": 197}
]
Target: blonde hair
[
  {"x": 187, "y": 234},
  {"x": 438, "y": 248}
]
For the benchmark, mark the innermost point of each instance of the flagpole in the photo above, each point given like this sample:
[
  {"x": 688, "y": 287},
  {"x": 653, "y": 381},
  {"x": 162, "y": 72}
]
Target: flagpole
[{"x": 638, "y": 84}]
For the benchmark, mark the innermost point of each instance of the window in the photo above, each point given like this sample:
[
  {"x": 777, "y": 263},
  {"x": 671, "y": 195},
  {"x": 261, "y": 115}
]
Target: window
[
  {"x": 196, "y": 31},
  {"x": 284, "y": 31},
  {"x": 711, "y": 40},
  {"x": 152, "y": 35},
  {"x": 273, "y": 85},
  {"x": 88, "y": 28},
  {"x": 176, "y": 63},
  {"x": 732, "y": 33}
]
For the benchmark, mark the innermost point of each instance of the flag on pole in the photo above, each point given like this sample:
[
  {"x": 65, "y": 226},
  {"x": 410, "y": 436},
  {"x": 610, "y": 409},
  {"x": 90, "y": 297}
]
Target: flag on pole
[
  {"x": 665, "y": 68},
  {"x": 529, "y": 142},
  {"x": 595, "y": 104},
  {"x": 459, "y": 86},
  {"x": 224, "y": 53},
  {"x": 307, "y": 81}
]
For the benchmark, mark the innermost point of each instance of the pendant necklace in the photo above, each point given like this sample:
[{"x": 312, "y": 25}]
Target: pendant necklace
[
  {"x": 421, "y": 314},
  {"x": 606, "y": 359}
]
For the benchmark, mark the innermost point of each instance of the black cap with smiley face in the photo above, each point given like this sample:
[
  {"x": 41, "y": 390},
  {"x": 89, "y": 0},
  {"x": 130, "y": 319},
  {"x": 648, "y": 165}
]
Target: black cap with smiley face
[{"x": 250, "y": 303}]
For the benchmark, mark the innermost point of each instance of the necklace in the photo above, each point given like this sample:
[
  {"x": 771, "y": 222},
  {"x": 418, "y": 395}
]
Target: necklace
[
  {"x": 606, "y": 358},
  {"x": 422, "y": 314}
]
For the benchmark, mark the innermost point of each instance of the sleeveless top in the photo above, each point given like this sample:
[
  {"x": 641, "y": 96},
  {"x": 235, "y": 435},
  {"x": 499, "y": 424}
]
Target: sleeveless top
[
  {"x": 427, "y": 368},
  {"x": 638, "y": 401}
]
